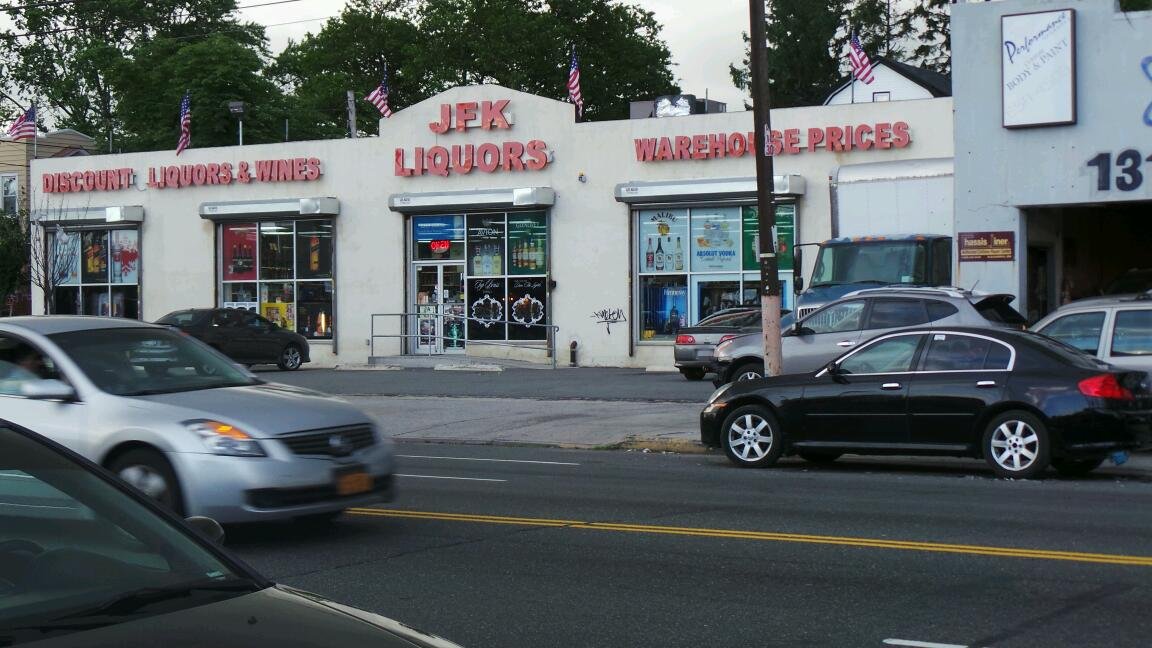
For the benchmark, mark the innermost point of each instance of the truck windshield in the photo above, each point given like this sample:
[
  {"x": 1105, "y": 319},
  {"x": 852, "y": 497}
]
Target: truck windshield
[{"x": 885, "y": 262}]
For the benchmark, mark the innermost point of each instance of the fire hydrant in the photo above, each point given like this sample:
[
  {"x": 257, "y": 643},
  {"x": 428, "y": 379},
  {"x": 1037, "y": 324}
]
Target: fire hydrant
[{"x": 572, "y": 354}]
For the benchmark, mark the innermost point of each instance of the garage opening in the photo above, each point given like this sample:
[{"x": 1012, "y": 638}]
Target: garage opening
[{"x": 1078, "y": 252}]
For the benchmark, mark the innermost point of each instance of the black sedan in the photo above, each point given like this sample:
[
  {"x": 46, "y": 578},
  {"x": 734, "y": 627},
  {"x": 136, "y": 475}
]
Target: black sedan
[
  {"x": 1020, "y": 400},
  {"x": 86, "y": 560},
  {"x": 242, "y": 335}
]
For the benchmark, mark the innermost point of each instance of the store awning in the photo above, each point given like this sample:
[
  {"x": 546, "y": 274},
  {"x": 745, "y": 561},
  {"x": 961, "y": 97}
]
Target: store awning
[
  {"x": 671, "y": 191},
  {"x": 439, "y": 201},
  {"x": 77, "y": 216},
  {"x": 286, "y": 208}
]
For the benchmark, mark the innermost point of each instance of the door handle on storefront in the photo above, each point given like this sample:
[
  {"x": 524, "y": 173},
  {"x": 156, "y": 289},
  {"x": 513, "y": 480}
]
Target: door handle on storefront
[
  {"x": 890, "y": 386},
  {"x": 845, "y": 343},
  {"x": 986, "y": 383}
]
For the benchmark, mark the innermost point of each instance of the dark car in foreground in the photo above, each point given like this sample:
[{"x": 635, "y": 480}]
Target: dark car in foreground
[
  {"x": 242, "y": 335},
  {"x": 86, "y": 560},
  {"x": 1018, "y": 399}
]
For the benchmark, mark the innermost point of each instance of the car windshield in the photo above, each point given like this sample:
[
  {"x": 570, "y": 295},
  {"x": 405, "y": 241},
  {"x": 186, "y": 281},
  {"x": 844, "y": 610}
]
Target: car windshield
[
  {"x": 77, "y": 553},
  {"x": 181, "y": 318},
  {"x": 893, "y": 262},
  {"x": 140, "y": 361}
]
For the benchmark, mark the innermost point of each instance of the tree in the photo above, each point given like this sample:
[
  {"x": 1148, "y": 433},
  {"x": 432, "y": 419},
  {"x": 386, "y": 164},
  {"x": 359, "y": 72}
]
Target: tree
[
  {"x": 66, "y": 55},
  {"x": 802, "y": 66},
  {"x": 13, "y": 254},
  {"x": 928, "y": 24},
  {"x": 520, "y": 44}
]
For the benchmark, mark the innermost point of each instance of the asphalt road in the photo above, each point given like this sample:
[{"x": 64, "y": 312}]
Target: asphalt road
[{"x": 632, "y": 549}]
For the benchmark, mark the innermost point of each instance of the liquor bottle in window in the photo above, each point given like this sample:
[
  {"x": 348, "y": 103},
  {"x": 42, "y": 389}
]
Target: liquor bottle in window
[
  {"x": 477, "y": 260},
  {"x": 660, "y": 254},
  {"x": 679, "y": 256},
  {"x": 314, "y": 253},
  {"x": 540, "y": 254},
  {"x": 534, "y": 258},
  {"x": 515, "y": 261},
  {"x": 497, "y": 259},
  {"x": 649, "y": 256}
]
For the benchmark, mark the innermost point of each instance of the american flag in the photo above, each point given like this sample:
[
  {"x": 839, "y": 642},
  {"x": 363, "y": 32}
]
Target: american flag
[
  {"x": 379, "y": 96},
  {"x": 858, "y": 58},
  {"x": 185, "y": 123},
  {"x": 25, "y": 125},
  {"x": 574, "y": 85}
]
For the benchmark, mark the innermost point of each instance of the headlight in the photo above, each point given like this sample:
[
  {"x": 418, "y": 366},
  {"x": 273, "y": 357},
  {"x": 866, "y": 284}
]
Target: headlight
[{"x": 224, "y": 439}]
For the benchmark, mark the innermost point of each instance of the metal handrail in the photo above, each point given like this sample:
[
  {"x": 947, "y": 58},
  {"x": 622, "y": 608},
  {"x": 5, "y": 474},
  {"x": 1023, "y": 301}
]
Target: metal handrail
[{"x": 549, "y": 338}]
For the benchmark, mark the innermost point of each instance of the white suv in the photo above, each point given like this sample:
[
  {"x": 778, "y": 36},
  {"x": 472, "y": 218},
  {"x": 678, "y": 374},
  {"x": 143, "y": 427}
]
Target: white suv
[{"x": 1116, "y": 329}]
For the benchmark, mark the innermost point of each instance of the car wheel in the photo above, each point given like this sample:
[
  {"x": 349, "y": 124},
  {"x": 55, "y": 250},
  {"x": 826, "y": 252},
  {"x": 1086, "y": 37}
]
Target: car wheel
[
  {"x": 748, "y": 371},
  {"x": 693, "y": 373},
  {"x": 819, "y": 457},
  {"x": 290, "y": 358},
  {"x": 751, "y": 437},
  {"x": 1016, "y": 445},
  {"x": 1076, "y": 467},
  {"x": 150, "y": 473}
]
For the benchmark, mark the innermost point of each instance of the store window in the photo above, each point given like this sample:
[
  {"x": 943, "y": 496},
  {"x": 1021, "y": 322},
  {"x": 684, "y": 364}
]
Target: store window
[
  {"x": 9, "y": 193},
  {"x": 694, "y": 262},
  {"x": 505, "y": 260},
  {"x": 283, "y": 270},
  {"x": 95, "y": 272}
]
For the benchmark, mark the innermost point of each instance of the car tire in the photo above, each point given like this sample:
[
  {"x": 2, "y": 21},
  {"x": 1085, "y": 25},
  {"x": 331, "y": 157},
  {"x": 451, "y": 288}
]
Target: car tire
[
  {"x": 751, "y": 437},
  {"x": 750, "y": 370},
  {"x": 694, "y": 373},
  {"x": 819, "y": 457},
  {"x": 150, "y": 473},
  {"x": 1076, "y": 467},
  {"x": 290, "y": 358},
  {"x": 1016, "y": 445}
]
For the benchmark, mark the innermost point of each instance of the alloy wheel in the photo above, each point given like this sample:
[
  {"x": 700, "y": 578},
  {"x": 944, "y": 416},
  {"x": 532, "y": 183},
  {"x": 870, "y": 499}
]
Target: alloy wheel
[
  {"x": 1015, "y": 445},
  {"x": 291, "y": 358},
  {"x": 750, "y": 437},
  {"x": 146, "y": 480}
]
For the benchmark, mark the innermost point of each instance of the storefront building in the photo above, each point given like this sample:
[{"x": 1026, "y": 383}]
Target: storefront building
[
  {"x": 1053, "y": 160},
  {"x": 482, "y": 221}
]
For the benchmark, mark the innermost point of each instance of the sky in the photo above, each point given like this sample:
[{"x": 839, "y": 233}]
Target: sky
[{"x": 704, "y": 37}]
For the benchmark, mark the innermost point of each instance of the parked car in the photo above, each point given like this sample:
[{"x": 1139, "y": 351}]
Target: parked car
[
  {"x": 1020, "y": 400},
  {"x": 186, "y": 425},
  {"x": 242, "y": 335},
  {"x": 1115, "y": 329},
  {"x": 822, "y": 335},
  {"x": 695, "y": 344},
  {"x": 85, "y": 560}
]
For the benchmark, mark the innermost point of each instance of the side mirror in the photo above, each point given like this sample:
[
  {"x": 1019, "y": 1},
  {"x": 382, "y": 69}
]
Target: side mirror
[
  {"x": 832, "y": 368},
  {"x": 208, "y": 528},
  {"x": 48, "y": 390}
]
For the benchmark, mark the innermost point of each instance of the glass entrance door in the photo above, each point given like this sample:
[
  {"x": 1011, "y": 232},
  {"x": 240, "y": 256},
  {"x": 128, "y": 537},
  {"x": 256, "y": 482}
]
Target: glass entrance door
[{"x": 439, "y": 308}]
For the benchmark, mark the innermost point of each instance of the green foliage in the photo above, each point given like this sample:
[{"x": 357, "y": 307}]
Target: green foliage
[
  {"x": 1135, "y": 5},
  {"x": 928, "y": 25},
  {"x": 13, "y": 255},
  {"x": 520, "y": 44}
]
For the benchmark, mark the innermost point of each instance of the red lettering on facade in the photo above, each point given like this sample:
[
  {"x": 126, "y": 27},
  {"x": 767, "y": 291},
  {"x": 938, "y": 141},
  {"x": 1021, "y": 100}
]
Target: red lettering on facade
[
  {"x": 465, "y": 112},
  {"x": 683, "y": 147},
  {"x": 645, "y": 148},
  {"x": 537, "y": 155},
  {"x": 487, "y": 157},
  {"x": 900, "y": 136},
  {"x": 883, "y": 135},
  {"x": 834, "y": 138},
  {"x": 438, "y": 161},
  {"x": 401, "y": 169},
  {"x": 492, "y": 114},
  {"x": 792, "y": 141},
  {"x": 463, "y": 157},
  {"x": 717, "y": 145},
  {"x": 815, "y": 138},
  {"x": 199, "y": 175},
  {"x": 664, "y": 149},
  {"x": 313, "y": 171},
  {"x": 442, "y": 125},
  {"x": 213, "y": 174},
  {"x": 699, "y": 147},
  {"x": 513, "y": 151},
  {"x": 863, "y": 138},
  {"x": 737, "y": 145}
]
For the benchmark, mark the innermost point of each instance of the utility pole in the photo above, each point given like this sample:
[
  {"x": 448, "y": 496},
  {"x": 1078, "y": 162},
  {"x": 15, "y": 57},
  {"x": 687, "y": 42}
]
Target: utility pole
[
  {"x": 765, "y": 186},
  {"x": 351, "y": 114}
]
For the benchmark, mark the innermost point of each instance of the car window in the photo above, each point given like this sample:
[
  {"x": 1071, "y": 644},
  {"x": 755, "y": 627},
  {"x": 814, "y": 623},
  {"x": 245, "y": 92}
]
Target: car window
[
  {"x": 996, "y": 310},
  {"x": 952, "y": 352},
  {"x": 225, "y": 318},
  {"x": 737, "y": 318},
  {"x": 1132, "y": 334},
  {"x": 890, "y": 355},
  {"x": 180, "y": 318},
  {"x": 71, "y": 543},
  {"x": 894, "y": 313},
  {"x": 139, "y": 361},
  {"x": 837, "y": 318},
  {"x": 938, "y": 310},
  {"x": 1079, "y": 330},
  {"x": 21, "y": 363}
]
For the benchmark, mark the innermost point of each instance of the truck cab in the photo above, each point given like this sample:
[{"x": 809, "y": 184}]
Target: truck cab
[{"x": 851, "y": 263}]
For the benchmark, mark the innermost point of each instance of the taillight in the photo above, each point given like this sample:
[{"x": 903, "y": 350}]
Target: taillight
[
  {"x": 1105, "y": 386},
  {"x": 725, "y": 339},
  {"x": 685, "y": 339}
]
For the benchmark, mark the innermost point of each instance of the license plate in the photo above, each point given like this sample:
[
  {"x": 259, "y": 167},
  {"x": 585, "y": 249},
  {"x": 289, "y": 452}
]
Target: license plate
[{"x": 353, "y": 481}]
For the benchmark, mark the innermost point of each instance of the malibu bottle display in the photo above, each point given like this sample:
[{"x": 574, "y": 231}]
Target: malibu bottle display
[
  {"x": 679, "y": 256},
  {"x": 660, "y": 254},
  {"x": 649, "y": 256}
]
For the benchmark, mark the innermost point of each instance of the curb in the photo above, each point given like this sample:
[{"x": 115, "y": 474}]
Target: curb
[
  {"x": 676, "y": 446},
  {"x": 368, "y": 368},
  {"x": 467, "y": 367}
]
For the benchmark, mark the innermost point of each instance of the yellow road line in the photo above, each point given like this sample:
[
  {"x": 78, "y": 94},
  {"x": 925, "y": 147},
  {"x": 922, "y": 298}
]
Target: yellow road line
[{"x": 768, "y": 536}]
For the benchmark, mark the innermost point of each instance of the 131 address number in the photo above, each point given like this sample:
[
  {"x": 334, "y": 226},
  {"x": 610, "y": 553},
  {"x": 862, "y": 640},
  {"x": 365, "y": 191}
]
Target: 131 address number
[{"x": 1128, "y": 176}]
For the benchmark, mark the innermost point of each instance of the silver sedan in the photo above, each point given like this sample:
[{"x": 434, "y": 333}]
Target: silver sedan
[{"x": 186, "y": 425}]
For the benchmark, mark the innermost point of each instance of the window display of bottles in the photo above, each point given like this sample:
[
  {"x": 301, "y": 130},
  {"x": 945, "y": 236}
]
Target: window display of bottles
[
  {"x": 660, "y": 254},
  {"x": 243, "y": 258},
  {"x": 487, "y": 259},
  {"x": 528, "y": 254}
]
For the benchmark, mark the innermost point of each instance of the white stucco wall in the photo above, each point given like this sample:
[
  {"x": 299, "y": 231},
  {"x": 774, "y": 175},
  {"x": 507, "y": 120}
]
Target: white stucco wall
[
  {"x": 885, "y": 79},
  {"x": 1000, "y": 170},
  {"x": 589, "y": 228}
]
